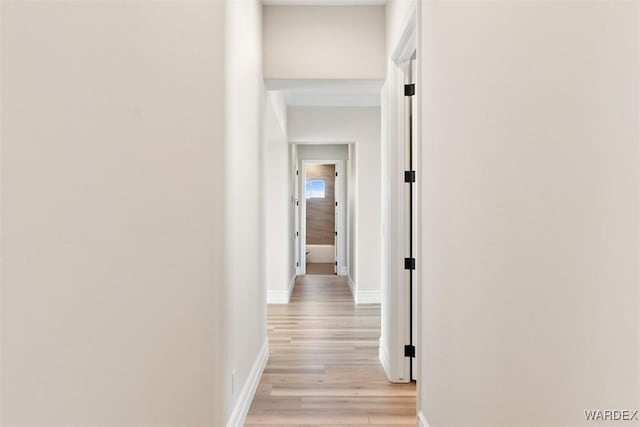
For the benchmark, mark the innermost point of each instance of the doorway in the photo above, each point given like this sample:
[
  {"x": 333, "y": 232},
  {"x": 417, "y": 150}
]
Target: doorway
[
  {"x": 320, "y": 199},
  {"x": 321, "y": 217}
]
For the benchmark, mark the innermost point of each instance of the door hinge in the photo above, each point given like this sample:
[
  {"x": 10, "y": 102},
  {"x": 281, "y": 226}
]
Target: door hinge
[
  {"x": 336, "y": 263},
  {"x": 335, "y": 233},
  {"x": 297, "y": 264},
  {"x": 297, "y": 234},
  {"x": 409, "y": 176},
  {"x": 410, "y": 90},
  {"x": 409, "y": 263},
  {"x": 296, "y": 172},
  {"x": 336, "y": 173},
  {"x": 409, "y": 351},
  {"x": 297, "y": 203},
  {"x": 336, "y": 203}
]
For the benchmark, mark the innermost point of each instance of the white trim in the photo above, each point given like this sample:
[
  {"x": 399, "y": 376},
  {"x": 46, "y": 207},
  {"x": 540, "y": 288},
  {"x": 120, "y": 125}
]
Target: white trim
[
  {"x": 281, "y": 297},
  {"x": 341, "y": 245},
  {"x": 241, "y": 408},
  {"x": 407, "y": 42},
  {"x": 396, "y": 237},
  {"x": 352, "y": 287},
  {"x": 367, "y": 297},
  {"x": 422, "y": 420},
  {"x": 277, "y": 297},
  {"x": 292, "y": 283},
  {"x": 343, "y": 270},
  {"x": 383, "y": 355}
]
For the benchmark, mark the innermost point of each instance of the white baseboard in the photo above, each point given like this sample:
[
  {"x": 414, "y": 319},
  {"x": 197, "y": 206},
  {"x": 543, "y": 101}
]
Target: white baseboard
[
  {"x": 292, "y": 283},
  {"x": 352, "y": 287},
  {"x": 422, "y": 420},
  {"x": 383, "y": 355},
  {"x": 241, "y": 408},
  {"x": 277, "y": 297},
  {"x": 343, "y": 270},
  {"x": 281, "y": 297},
  {"x": 367, "y": 297}
]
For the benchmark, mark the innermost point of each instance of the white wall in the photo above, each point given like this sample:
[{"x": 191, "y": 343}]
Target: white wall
[
  {"x": 323, "y": 151},
  {"x": 362, "y": 125},
  {"x": 324, "y": 42},
  {"x": 245, "y": 201},
  {"x": 531, "y": 212},
  {"x": 111, "y": 221},
  {"x": 279, "y": 231}
]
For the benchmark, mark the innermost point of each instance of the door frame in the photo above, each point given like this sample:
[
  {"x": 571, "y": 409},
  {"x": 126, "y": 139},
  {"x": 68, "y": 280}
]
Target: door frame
[
  {"x": 340, "y": 247},
  {"x": 399, "y": 368}
]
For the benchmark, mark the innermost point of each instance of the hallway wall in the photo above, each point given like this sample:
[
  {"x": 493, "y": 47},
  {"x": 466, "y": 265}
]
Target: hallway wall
[
  {"x": 280, "y": 230},
  {"x": 127, "y": 246},
  {"x": 112, "y": 169},
  {"x": 299, "y": 44},
  {"x": 362, "y": 126},
  {"x": 245, "y": 202},
  {"x": 531, "y": 243}
]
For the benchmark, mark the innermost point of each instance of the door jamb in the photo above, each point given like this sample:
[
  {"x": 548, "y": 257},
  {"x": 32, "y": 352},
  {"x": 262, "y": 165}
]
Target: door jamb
[
  {"x": 398, "y": 365},
  {"x": 340, "y": 209}
]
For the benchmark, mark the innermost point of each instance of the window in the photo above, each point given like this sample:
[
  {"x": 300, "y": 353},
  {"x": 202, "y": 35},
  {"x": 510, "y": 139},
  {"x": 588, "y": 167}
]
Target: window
[{"x": 315, "y": 188}]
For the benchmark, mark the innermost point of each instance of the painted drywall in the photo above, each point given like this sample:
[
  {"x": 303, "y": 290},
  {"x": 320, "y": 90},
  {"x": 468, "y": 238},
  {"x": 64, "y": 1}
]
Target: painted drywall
[
  {"x": 324, "y": 42},
  {"x": 531, "y": 212},
  {"x": 321, "y": 152},
  {"x": 245, "y": 201},
  {"x": 279, "y": 230},
  {"x": 362, "y": 126},
  {"x": 111, "y": 216},
  {"x": 321, "y": 220}
]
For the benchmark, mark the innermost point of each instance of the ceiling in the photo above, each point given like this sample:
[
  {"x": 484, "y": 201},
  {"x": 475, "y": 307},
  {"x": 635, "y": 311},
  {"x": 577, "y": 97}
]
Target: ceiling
[
  {"x": 323, "y": 2},
  {"x": 326, "y": 93}
]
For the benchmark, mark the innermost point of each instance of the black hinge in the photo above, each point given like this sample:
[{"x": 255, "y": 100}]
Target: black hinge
[
  {"x": 336, "y": 173},
  {"x": 335, "y": 233},
  {"x": 409, "y": 351},
  {"x": 409, "y": 263},
  {"x": 297, "y": 203},
  {"x": 336, "y": 263},
  {"x": 296, "y": 172},
  {"x": 336, "y": 203},
  {"x": 409, "y": 176},
  {"x": 297, "y": 264},
  {"x": 297, "y": 234},
  {"x": 410, "y": 90}
]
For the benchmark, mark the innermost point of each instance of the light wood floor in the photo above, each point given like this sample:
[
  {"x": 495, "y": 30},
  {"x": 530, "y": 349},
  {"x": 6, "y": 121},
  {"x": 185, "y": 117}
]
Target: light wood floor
[
  {"x": 323, "y": 367},
  {"x": 325, "y": 268}
]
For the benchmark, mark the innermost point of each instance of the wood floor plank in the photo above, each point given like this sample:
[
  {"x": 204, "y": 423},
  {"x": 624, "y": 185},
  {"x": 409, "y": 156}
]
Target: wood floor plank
[{"x": 323, "y": 367}]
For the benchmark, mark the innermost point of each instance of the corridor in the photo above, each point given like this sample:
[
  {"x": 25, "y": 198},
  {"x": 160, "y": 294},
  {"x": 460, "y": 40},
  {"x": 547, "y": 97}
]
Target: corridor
[{"x": 323, "y": 367}]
